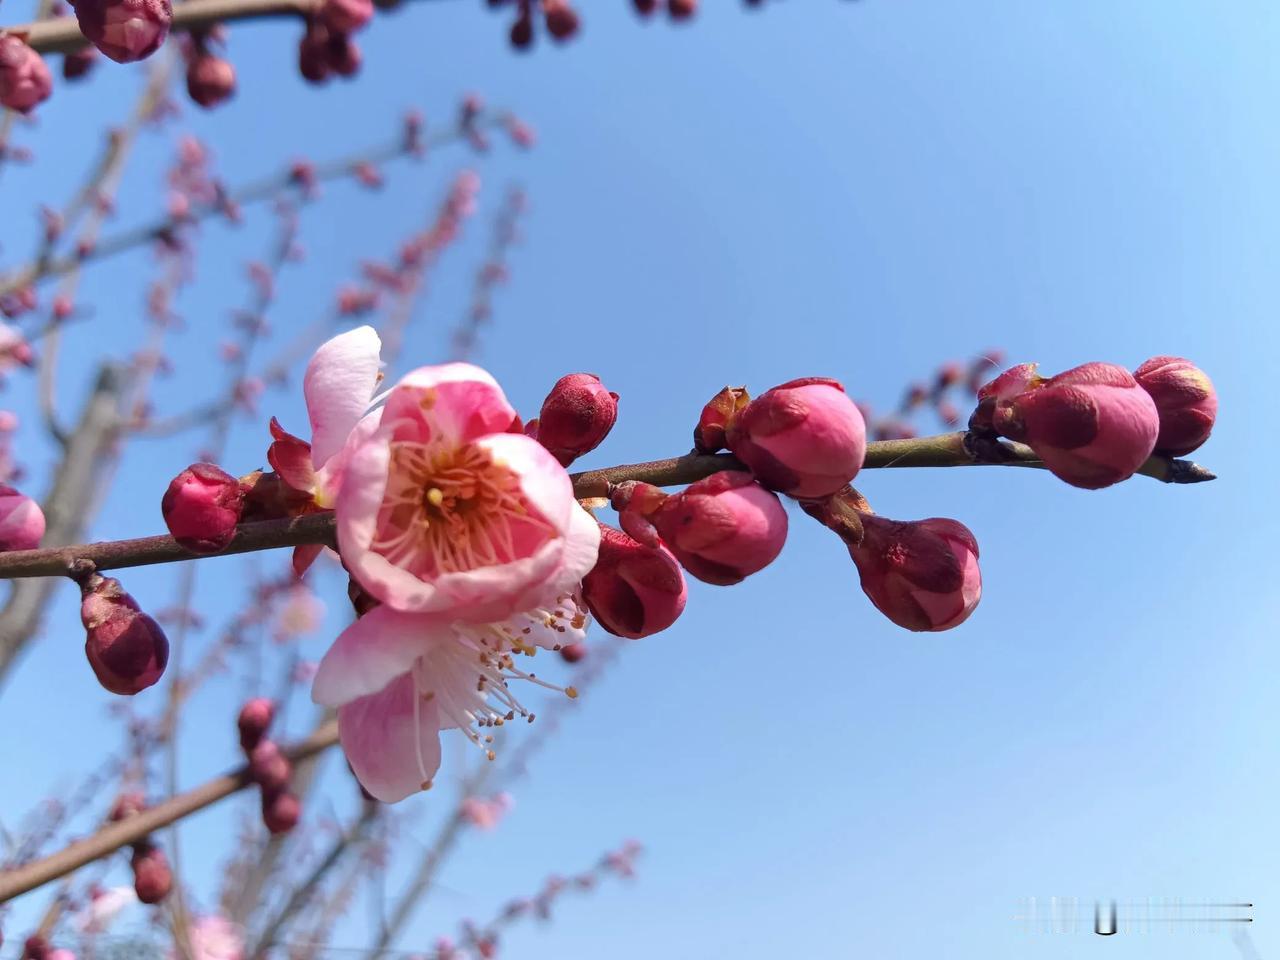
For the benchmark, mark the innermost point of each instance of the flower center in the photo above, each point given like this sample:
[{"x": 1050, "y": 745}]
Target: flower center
[{"x": 451, "y": 509}]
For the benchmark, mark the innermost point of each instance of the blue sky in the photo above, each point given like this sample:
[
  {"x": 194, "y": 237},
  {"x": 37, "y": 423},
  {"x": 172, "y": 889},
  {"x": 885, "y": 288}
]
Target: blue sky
[{"x": 857, "y": 190}]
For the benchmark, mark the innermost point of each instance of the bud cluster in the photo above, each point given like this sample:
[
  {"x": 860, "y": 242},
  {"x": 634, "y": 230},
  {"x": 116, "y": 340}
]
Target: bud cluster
[
  {"x": 269, "y": 768},
  {"x": 558, "y": 17}
]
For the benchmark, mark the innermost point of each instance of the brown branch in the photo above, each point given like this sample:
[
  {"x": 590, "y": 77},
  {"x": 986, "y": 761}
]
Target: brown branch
[
  {"x": 943, "y": 450},
  {"x": 112, "y": 837}
]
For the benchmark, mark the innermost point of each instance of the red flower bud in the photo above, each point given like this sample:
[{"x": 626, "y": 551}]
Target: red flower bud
[
  {"x": 24, "y": 76},
  {"x": 202, "y": 507},
  {"x": 576, "y": 416},
  {"x": 573, "y": 652},
  {"x": 521, "y": 35},
  {"x": 255, "y": 717},
  {"x": 346, "y": 16},
  {"x": 313, "y": 53},
  {"x": 645, "y": 7},
  {"x": 724, "y": 528},
  {"x": 1185, "y": 400},
  {"x": 152, "y": 879},
  {"x": 634, "y": 590},
  {"x": 562, "y": 19},
  {"x": 126, "y": 648},
  {"x": 344, "y": 55},
  {"x": 125, "y": 30},
  {"x": 36, "y": 947},
  {"x": 78, "y": 63},
  {"x": 21, "y": 520},
  {"x": 720, "y": 411},
  {"x": 281, "y": 811},
  {"x": 210, "y": 80},
  {"x": 127, "y": 805},
  {"x": 805, "y": 438},
  {"x": 269, "y": 767},
  {"x": 1092, "y": 425},
  {"x": 682, "y": 9},
  {"x": 923, "y": 574}
]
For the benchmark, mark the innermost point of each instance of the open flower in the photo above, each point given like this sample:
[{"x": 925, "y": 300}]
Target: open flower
[
  {"x": 440, "y": 510},
  {"x": 399, "y": 678}
]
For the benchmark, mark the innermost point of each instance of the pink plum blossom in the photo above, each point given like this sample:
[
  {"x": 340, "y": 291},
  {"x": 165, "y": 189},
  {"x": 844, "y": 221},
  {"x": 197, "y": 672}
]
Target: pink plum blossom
[
  {"x": 440, "y": 510},
  {"x": 805, "y": 438},
  {"x": 400, "y": 678},
  {"x": 300, "y": 613},
  {"x": 215, "y": 938},
  {"x": 103, "y": 908},
  {"x": 487, "y": 812}
]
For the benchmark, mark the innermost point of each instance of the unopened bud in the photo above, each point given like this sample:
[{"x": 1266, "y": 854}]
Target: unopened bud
[
  {"x": 724, "y": 528},
  {"x": 35, "y": 948},
  {"x": 254, "y": 720},
  {"x": 682, "y": 9},
  {"x": 127, "y": 805},
  {"x": 269, "y": 767},
  {"x": 1185, "y": 401},
  {"x": 805, "y": 438},
  {"x": 125, "y": 30},
  {"x": 1092, "y": 425},
  {"x": 210, "y": 80},
  {"x": 202, "y": 507},
  {"x": 126, "y": 648},
  {"x": 24, "y": 76},
  {"x": 78, "y": 63},
  {"x": 923, "y": 574},
  {"x": 562, "y": 19},
  {"x": 346, "y": 16},
  {"x": 576, "y": 416},
  {"x": 633, "y": 590},
  {"x": 573, "y": 652},
  {"x": 152, "y": 879},
  {"x": 717, "y": 415},
  {"x": 21, "y": 520},
  {"x": 281, "y": 811}
]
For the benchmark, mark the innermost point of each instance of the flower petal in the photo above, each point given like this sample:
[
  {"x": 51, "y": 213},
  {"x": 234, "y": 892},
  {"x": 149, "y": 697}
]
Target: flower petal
[
  {"x": 338, "y": 386},
  {"x": 392, "y": 740},
  {"x": 461, "y": 402},
  {"x": 370, "y": 653}
]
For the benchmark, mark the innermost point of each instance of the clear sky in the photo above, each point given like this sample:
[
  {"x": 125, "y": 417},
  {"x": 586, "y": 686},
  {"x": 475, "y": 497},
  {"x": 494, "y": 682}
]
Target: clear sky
[{"x": 856, "y": 190}]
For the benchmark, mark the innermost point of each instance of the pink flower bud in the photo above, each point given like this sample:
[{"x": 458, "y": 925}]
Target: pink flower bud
[
  {"x": 210, "y": 80},
  {"x": 202, "y": 507},
  {"x": 573, "y": 652},
  {"x": 1185, "y": 400},
  {"x": 634, "y": 590},
  {"x": 125, "y": 30},
  {"x": 923, "y": 574},
  {"x": 645, "y": 7},
  {"x": 281, "y": 811},
  {"x": 346, "y": 16},
  {"x": 152, "y": 879},
  {"x": 126, "y": 648},
  {"x": 1092, "y": 425},
  {"x": 21, "y": 520},
  {"x": 24, "y": 76},
  {"x": 313, "y": 53},
  {"x": 720, "y": 411},
  {"x": 724, "y": 528},
  {"x": 682, "y": 9},
  {"x": 255, "y": 717},
  {"x": 805, "y": 438},
  {"x": 36, "y": 947},
  {"x": 344, "y": 55},
  {"x": 269, "y": 767},
  {"x": 562, "y": 19},
  {"x": 576, "y": 416}
]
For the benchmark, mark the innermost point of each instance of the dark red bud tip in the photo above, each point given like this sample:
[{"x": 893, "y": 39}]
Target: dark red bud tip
[
  {"x": 281, "y": 811},
  {"x": 682, "y": 9},
  {"x": 152, "y": 879},
  {"x": 202, "y": 507},
  {"x": 210, "y": 80},
  {"x": 35, "y": 948},
  {"x": 269, "y": 767},
  {"x": 126, "y": 648},
  {"x": 573, "y": 652},
  {"x": 255, "y": 717},
  {"x": 1185, "y": 401},
  {"x": 634, "y": 590},
  {"x": 718, "y": 414},
  {"x": 562, "y": 19},
  {"x": 576, "y": 416}
]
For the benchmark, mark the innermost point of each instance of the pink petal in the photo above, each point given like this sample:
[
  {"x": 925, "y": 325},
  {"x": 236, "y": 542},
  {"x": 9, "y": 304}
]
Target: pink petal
[
  {"x": 369, "y": 654},
  {"x": 338, "y": 386},
  {"x": 393, "y": 748},
  {"x": 465, "y": 403}
]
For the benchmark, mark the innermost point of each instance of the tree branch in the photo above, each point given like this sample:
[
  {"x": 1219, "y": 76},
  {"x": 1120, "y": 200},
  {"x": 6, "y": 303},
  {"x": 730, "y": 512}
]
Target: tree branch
[
  {"x": 112, "y": 837},
  {"x": 943, "y": 450}
]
